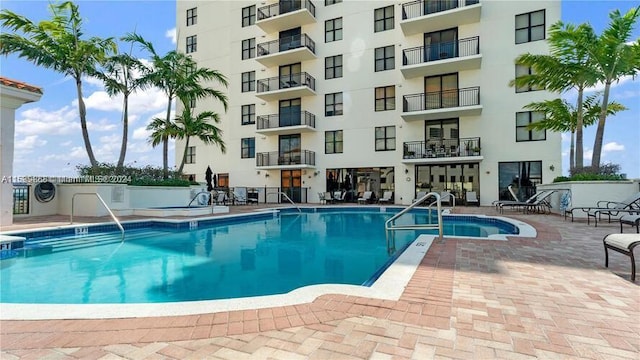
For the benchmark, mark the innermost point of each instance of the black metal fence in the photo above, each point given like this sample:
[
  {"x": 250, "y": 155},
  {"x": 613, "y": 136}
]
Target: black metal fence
[
  {"x": 441, "y": 99},
  {"x": 274, "y": 121},
  {"x": 286, "y": 43},
  {"x": 286, "y": 82},
  {"x": 439, "y": 51},
  {"x": 419, "y": 8},
  {"x": 241, "y": 195},
  {"x": 275, "y": 158},
  {"x": 441, "y": 148},
  {"x": 21, "y": 199},
  {"x": 285, "y": 6}
]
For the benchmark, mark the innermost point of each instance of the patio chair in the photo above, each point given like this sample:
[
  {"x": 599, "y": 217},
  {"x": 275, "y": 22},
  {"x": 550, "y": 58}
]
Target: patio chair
[
  {"x": 419, "y": 196},
  {"x": 631, "y": 219},
  {"x": 472, "y": 198},
  {"x": 538, "y": 202},
  {"x": 609, "y": 208},
  {"x": 366, "y": 197},
  {"x": 386, "y": 197},
  {"x": 624, "y": 244},
  {"x": 221, "y": 198},
  {"x": 238, "y": 198},
  {"x": 500, "y": 203},
  {"x": 447, "y": 197},
  {"x": 321, "y": 198}
]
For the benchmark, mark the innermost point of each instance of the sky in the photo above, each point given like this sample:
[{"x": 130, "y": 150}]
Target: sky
[{"x": 48, "y": 140}]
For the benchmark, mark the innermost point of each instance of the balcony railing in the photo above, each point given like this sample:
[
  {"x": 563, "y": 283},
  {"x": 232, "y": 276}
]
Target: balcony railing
[
  {"x": 442, "y": 148},
  {"x": 287, "y": 82},
  {"x": 286, "y": 43},
  {"x": 275, "y": 158},
  {"x": 285, "y": 6},
  {"x": 419, "y": 8},
  {"x": 441, "y": 51},
  {"x": 275, "y": 121},
  {"x": 441, "y": 99}
]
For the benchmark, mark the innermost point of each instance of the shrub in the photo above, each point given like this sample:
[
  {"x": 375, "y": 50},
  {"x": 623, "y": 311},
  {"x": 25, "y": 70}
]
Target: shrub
[
  {"x": 606, "y": 172},
  {"x": 139, "y": 176},
  {"x": 153, "y": 182}
]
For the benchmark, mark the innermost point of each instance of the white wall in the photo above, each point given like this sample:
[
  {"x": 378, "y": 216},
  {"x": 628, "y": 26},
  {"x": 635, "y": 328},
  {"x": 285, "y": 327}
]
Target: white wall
[{"x": 588, "y": 193}]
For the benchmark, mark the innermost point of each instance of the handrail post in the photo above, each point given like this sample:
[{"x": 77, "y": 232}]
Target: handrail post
[
  {"x": 291, "y": 201},
  {"x": 389, "y": 224},
  {"x": 113, "y": 216}
]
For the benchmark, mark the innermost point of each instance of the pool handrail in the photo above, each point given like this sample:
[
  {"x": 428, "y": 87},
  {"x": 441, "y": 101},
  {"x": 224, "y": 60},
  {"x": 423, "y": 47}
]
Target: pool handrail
[
  {"x": 196, "y": 196},
  {"x": 390, "y": 225},
  {"x": 103, "y": 204},
  {"x": 291, "y": 201}
]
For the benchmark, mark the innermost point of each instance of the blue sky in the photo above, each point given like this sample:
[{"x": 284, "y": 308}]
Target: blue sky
[{"x": 48, "y": 139}]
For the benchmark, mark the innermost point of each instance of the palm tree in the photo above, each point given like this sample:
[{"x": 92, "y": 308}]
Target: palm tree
[
  {"x": 178, "y": 74},
  {"x": 560, "y": 116},
  {"x": 567, "y": 67},
  {"x": 58, "y": 44},
  {"x": 119, "y": 77},
  {"x": 613, "y": 58},
  {"x": 197, "y": 125},
  {"x": 161, "y": 131}
]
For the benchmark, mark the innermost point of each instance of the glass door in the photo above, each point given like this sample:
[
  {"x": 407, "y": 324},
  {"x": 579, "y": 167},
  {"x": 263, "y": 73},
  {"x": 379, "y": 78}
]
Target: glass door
[
  {"x": 289, "y": 150},
  {"x": 291, "y": 184},
  {"x": 290, "y": 112},
  {"x": 289, "y": 39},
  {"x": 440, "y": 45},
  {"x": 441, "y": 91},
  {"x": 290, "y": 75}
]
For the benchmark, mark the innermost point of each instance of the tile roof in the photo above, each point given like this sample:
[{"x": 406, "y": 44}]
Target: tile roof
[{"x": 20, "y": 85}]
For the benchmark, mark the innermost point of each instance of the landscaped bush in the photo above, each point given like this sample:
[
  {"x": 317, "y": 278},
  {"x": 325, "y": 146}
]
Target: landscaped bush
[
  {"x": 606, "y": 172},
  {"x": 167, "y": 182},
  {"x": 138, "y": 176}
]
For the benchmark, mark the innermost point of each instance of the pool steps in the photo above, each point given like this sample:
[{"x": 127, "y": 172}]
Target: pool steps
[{"x": 73, "y": 242}]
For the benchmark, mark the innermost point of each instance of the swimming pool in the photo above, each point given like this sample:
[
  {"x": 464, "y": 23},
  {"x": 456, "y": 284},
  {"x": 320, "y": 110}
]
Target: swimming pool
[{"x": 218, "y": 258}]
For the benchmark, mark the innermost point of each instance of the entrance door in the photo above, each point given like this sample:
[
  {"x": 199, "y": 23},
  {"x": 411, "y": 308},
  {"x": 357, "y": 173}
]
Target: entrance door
[
  {"x": 290, "y": 111},
  {"x": 441, "y": 91},
  {"x": 291, "y": 184},
  {"x": 440, "y": 45},
  {"x": 289, "y": 39},
  {"x": 290, "y": 76}
]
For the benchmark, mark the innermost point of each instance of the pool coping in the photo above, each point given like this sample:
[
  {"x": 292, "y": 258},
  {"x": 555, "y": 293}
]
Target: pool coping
[{"x": 388, "y": 286}]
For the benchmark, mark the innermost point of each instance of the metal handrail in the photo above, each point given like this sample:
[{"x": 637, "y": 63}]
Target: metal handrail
[
  {"x": 291, "y": 201},
  {"x": 105, "y": 206},
  {"x": 195, "y": 197},
  {"x": 453, "y": 201},
  {"x": 390, "y": 225}
]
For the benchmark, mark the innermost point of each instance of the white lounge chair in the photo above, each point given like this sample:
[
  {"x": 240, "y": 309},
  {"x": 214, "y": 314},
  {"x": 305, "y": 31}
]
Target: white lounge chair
[
  {"x": 609, "y": 208},
  {"x": 472, "y": 198},
  {"x": 366, "y": 197},
  {"x": 386, "y": 197},
  {"x": 419, "y": 196}
]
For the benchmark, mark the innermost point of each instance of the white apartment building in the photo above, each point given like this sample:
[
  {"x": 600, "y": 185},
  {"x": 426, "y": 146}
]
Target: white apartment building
[{"x": 374, "y": 96}]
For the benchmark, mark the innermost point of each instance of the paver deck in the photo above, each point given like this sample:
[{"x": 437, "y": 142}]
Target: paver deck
[{"x": 546, "y": 297}]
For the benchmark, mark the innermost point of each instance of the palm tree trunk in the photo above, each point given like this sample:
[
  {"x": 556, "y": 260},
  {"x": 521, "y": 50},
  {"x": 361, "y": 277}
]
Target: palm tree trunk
[
  {"x": 165, "y": 145},
  {"x": 597, "y": 143},
  {"x": 572, "y": 153},
  {"x": 579, "y": 124},
  {"x": 82, "y": 110},
  {"x": 184, "y": 155},
  {"x": 125, "y": 132}
]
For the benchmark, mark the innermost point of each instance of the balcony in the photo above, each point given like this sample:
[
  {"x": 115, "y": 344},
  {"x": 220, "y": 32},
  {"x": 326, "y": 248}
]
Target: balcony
[
  {"x": 303, "y": 159},
  {"x": 290, "y": 49},
  {"x": 285, "y": 14},
  {"x": 423, "y": 16},
  {"x": 441, "y": 58},
  {"x": 442, "y": 104},
  {"x": 277, "y": 124},
  {"x": 442, "y": 151},
  {"x": 286, "y": 87}
]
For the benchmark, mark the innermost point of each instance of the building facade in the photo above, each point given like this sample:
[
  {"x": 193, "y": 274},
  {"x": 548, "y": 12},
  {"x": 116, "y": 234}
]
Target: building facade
[{"x": 381, "y": 96}]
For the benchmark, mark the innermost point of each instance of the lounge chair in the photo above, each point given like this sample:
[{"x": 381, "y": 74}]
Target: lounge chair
[
  {"x": 514, "y": 197},
  {"x": 500, "y": 203},
  {"x": 386, "y": 197},
  {"x": 447, "y": 197},
  {"x": 609, "y": 208},
  {"x": 419, "y": 196},
  {"x": 624, "y": 244},
  {"x": 472, "y": 198},
  {"x": 321, "y": 198},
  {"x": 221, "y": 198},
  {"x": 631, "y": 219},
  {"x": 239, "y": 198},
  {"x": 339, "y": 196},
  {"x": 538, "y": 202},
  {"x": 366, "y": 197}
]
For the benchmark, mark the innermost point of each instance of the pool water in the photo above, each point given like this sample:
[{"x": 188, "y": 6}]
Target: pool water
[{"x": 271, "y": 255}]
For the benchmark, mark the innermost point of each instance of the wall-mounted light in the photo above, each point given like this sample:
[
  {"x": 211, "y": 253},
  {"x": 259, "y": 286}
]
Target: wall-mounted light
[
  {"x": 266, "y": 175},
  {"x": 406, "y": 171},
  {"x": 316, "y": 173},
  {"x": 552, "y": 168},
  {"x": 258, "y": 172}
]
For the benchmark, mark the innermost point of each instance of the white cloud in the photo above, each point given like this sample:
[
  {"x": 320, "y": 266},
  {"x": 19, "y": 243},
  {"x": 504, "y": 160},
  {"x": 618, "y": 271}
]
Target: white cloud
[
  {"x": 100, "y": 125},
  {"x": 29, "y": 143},
  {"x": 38, "y": 121},
  {"x": 140, "y": 102},
  {"x": 612, "y": 146},
  {"x": 93, "y": 81},
  {"x": 141, "y": 133},
  {"x": 587, "y": 154},
  {"x": 100, "y": 100},
  {"x": 66, "y": 143},
  {"x": 171, "y": 34},
  {"x": 600, "y": 86}
]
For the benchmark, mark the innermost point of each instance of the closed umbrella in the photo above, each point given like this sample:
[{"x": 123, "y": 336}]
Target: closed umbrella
[{"x": 208, "y": 178}]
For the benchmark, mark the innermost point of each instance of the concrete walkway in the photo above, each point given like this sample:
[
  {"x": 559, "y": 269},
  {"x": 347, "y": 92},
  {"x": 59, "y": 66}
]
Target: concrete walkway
[{"x": 548, "y": 297}]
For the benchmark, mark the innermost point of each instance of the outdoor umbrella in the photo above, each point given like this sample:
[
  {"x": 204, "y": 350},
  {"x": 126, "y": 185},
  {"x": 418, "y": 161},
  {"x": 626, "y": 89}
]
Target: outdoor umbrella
[{"x": 207, "y": 177}]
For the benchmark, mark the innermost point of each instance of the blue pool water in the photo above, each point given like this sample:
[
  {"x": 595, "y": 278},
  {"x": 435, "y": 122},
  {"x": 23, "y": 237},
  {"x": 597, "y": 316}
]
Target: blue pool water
[{"x": 229, "y": 259}]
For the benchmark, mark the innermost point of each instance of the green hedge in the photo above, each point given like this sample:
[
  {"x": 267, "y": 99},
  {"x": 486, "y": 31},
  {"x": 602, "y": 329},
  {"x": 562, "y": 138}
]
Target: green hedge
[{"x": 137, "y": 176}]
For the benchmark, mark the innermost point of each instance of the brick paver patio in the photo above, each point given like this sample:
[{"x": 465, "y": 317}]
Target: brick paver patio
[{"x": 548, "y": 297}]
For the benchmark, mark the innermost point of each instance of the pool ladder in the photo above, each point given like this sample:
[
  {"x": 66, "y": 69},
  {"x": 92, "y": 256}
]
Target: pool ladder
[
  {"x": 73, "y": 198},
  {"x": 390, "y": 225},
  {"x": 289, "y": 199}
]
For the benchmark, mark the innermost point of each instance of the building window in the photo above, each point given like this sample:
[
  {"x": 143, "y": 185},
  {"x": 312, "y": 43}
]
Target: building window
[
  {"x": 383, "y": 19},
  {"x": 248, "y": 150},
  {"x": 333, "y": 104},
  {"x": 248, "y": 114},
  {"x": 385, "y": 138},
  {"x": 190, "y": 157},
  {"x": 192, "y": 16},
  {"x": 522, "y": 70},
  {"x": 248, "y": 81},
  {"x": 385, "y": 98},
  {"x": 192, "y": 44},
  {"x": 530, "y": 27},
  {"x": 248, "y": 15},
  {"x": 248, "y": 48},
  {"x": 331, "y": 2},
  {"x": 523, "y": 133},
  {"x": 333, "y": 30},
  {"x": 333, "y": 142},
  {"x": 333, "y": 67},
  {"x": 385, "y": 58}
]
